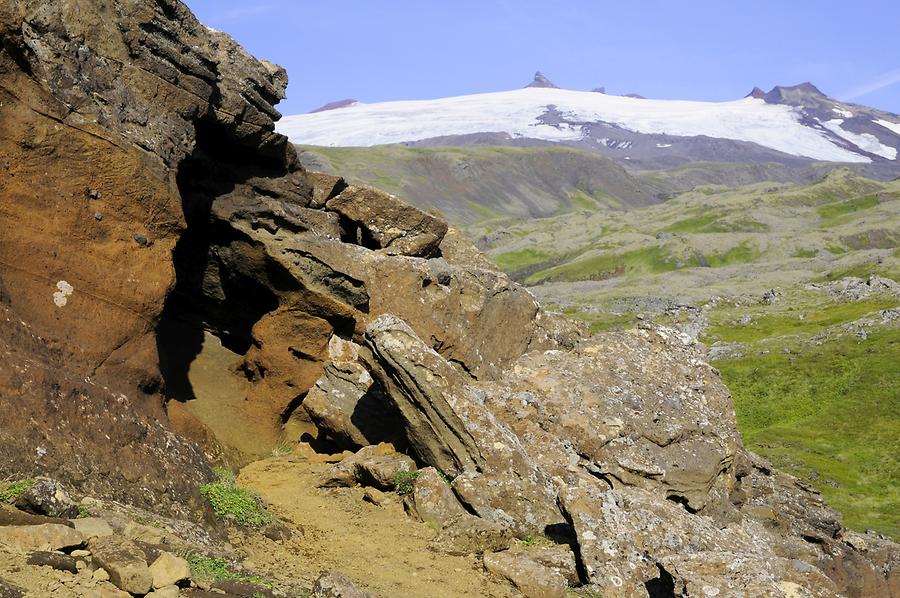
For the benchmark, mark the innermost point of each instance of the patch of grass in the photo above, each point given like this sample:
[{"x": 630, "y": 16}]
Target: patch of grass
[
  {"x": 601, "y": 321},
  {"x": 404, "y": 481},
  {"x": 789, "y": 323},
  {"x": 236, "y": 504},
  {"x": 9, "y": 492},
  {"x": 742, "y": 253},
  {"x": 581, "y": 201},
  {"x": 831, "y": 415},
  {"x": 861, "y": 270},
  {"x": 835, "y": 210},
  {"x": 519, "y": 259},
  {"x": 211, "y": 570},
  {"x": 693, "y": 224},
  {"x": 84, "y": 512},
  {"x": 805, "y": 253},
  {"x": 605, "y": 265}
]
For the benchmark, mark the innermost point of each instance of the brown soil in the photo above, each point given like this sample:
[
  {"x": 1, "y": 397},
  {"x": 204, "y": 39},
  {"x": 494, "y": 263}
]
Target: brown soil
[{"x": 381, "y": 548}]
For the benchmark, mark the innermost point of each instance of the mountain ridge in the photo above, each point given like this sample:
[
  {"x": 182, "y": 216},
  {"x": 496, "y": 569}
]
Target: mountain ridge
[{"x": 784, "y": 124}]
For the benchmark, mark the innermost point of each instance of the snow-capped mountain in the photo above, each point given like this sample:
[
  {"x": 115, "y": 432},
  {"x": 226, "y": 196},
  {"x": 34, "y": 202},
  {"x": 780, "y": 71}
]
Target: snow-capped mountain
[{"x": 787, "y": 123}]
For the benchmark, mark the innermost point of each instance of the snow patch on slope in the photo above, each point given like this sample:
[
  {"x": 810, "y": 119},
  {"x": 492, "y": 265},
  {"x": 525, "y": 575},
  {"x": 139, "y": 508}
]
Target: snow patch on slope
[
  {"x": 864, "y": 141},
  {"x": 518, "y": 113},
  {"x": 895, "y": 127}
]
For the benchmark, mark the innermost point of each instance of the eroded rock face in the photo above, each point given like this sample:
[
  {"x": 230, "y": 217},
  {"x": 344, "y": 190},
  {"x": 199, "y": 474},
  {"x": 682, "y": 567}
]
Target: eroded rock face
[{"x": 100, "y": 103}]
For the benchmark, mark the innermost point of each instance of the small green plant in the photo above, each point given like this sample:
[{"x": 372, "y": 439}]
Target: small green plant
[
  {"x": 224, "y": 475},
  {"x": 211, "y": 570},
  {"x": 404, "y": 481},
  {"x": 231, "y": 502},
  {"x": 83, "y": 512},
  {"x": 13, "y": 490},
  {"x": 445, "y": 476},
  {"x": 282, "y": 449}
]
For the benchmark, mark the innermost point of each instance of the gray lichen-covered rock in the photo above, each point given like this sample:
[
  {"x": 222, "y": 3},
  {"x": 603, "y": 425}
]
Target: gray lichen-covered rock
[
  {"x": 336, "y": 585},
  {"x": 468, "y": 534},
  {"x": 531, "y": 578},
  {"x": 450, "y": 427},
  {"x": 432, "y": 499},
  {"x": 376, "y": 466},
  {"x": 47, "y": 497}
]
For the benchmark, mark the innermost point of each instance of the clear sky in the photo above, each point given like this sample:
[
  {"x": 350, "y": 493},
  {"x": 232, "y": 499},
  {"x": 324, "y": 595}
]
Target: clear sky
[{"x": 377, "y": 50}]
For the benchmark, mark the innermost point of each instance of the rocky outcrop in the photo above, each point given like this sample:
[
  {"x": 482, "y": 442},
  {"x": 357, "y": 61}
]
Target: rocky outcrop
[{"x": 100, "y": 104}]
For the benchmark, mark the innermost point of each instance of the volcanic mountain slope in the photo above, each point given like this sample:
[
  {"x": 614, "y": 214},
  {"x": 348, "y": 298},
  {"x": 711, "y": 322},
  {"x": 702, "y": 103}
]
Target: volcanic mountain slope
[
  {"x": 788, "y": 124},
  {"x": 149, "y": 206}
]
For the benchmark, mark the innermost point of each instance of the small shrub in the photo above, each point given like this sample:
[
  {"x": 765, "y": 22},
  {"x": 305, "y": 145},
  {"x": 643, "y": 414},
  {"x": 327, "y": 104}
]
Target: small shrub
[
  {"x": 83, "y": 512},
  {"x": 224, "y": 475},
  {"x": 212, "y": 570},
  {"x": 282, "y": 449},
  {"x": 234, "y": 503},
  {"x": 13, "y": 490},
  {"x": 404, "y": 481}
]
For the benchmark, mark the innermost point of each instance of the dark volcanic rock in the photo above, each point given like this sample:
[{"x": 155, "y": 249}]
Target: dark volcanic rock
[
  {"x": 541, "y": 81},
  {"x": 47, "y": 497}
]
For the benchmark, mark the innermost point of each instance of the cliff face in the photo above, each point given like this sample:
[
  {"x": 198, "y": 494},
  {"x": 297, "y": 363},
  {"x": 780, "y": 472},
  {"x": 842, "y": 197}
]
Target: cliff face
[
  {"x": 144, "y": 192},
  {"x": 99, "y": 105}
]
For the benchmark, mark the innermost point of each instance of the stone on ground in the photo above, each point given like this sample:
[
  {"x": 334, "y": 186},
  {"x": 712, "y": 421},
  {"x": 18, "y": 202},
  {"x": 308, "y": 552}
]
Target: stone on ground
[
  {"x": 48, "y": 536},
  {"x": 531, "y": 578},
  {"x": 336, "y": 585},
  {"x": 169, "y": 570},
  {"x": 124, "y": 561}
]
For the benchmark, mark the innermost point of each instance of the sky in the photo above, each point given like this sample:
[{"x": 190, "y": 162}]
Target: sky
[{"x": 717, "y": 50}]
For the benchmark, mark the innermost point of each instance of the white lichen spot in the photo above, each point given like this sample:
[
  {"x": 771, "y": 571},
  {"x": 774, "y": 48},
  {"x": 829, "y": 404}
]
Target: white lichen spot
[
  {"x": 710, "y": 591},
  {"x": 61, "y": 296},
  {"x": 616, "y": 581}
]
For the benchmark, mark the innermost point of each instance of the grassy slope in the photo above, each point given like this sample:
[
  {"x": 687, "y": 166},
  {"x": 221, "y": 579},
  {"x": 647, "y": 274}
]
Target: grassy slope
[
  {"x": 830, "y": 414},
  {"x": 479, "y": 183}
]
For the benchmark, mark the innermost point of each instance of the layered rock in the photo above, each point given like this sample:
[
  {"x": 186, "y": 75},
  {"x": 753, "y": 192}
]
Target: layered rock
[{"x": 100, "y": 103}]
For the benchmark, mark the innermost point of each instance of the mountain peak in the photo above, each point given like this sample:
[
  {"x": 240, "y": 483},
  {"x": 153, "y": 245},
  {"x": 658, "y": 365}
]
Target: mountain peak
[
  {"x": 790, "y": 94},
  {"x": 541, "y": 81}
]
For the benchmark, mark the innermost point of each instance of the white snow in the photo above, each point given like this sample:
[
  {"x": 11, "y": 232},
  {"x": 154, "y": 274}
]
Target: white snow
[
  {"x": 841, "y": 112},
  {"x": 663, "y": 145},
  {"x": 517, "y": 113},
  {"x": 895, "y": 127},
  {"x": 864, "y": 141}
]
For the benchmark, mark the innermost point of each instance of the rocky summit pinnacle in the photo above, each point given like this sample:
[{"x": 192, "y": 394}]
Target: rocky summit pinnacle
[{"x": 541, "y": 81}]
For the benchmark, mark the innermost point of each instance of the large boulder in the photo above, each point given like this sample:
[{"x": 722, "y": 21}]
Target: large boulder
[
  {"x": 531, "y": 578},
  {"x": 47, "y": 497},
  {"x": 46, "y": 536},
  {"x": 124, "y": 561},
  {"x": 449, "y": 427},
  {"x": 385, "y": 223}
]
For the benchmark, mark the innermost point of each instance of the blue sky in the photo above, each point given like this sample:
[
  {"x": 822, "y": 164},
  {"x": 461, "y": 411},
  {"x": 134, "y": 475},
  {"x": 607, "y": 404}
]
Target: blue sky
[{"x": 376, "y": 50}]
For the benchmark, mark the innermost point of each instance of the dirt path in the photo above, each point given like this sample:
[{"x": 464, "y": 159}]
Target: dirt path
[{"x": 381, "y": 548}]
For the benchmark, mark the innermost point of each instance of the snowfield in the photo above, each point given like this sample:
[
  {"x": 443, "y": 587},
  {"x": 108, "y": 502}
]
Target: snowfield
[
  {"x": 864, "y": 141},
  {"x": 518, "y": 113}
]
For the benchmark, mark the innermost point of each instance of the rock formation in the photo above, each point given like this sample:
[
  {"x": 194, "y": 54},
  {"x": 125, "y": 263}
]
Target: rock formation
[{"x": 352, "y": 309}]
